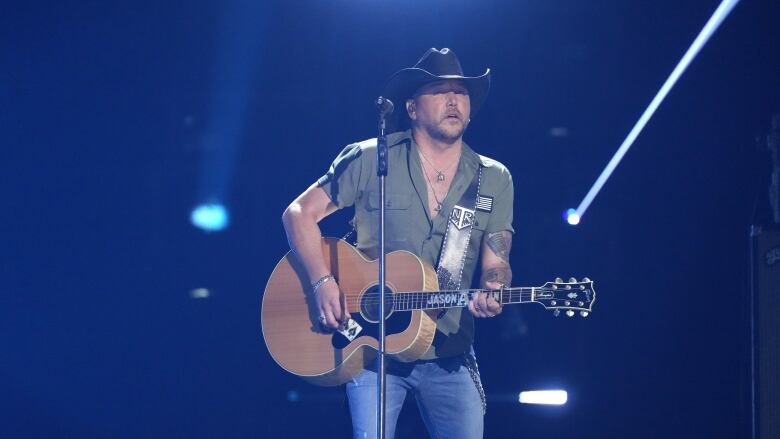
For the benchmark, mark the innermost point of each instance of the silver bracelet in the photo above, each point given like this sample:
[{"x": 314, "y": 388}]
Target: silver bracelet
[{"x": 316, "y": 285}]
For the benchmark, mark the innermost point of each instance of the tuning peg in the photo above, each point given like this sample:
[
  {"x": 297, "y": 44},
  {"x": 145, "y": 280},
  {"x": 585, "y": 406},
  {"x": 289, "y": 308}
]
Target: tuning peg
[
  {"x": 572, "y": 280},
  {"x": 585, "y": 279},
  {"x": 584, "y": 313},
  {"x": 558, "y": 280},
  {"x": 557, "y": 312},
  {"x": 570, "y": 313}
]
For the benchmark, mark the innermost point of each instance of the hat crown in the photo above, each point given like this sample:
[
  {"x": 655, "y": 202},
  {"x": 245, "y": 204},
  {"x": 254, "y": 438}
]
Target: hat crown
[{"x": 440, "y": 62}]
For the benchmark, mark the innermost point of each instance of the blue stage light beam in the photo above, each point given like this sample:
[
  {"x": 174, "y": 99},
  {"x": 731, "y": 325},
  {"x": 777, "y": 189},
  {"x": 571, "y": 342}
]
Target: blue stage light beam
[
  {"x": 712, "y": 25},
  {"x": 235, "y": 79}
]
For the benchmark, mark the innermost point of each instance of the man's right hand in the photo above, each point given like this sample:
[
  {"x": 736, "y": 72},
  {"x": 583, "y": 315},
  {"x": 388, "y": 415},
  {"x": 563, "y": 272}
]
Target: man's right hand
[{"x": 332, "y": 305}]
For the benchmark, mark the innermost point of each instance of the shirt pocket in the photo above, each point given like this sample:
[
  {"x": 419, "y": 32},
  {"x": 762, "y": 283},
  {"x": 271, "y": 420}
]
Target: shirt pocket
[
  {"x": 392, "y": 201},
  {"x": 482, "y": 219},
  {"x": 400, "y": 219}
]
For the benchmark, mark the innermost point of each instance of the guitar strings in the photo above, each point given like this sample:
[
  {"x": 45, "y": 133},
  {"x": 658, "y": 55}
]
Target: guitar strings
[
  {"x": 424, "y": 295},
  {"x": 525, "y": 291}
]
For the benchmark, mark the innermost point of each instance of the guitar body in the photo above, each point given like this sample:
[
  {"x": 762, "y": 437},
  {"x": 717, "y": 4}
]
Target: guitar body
[
  {"x": 291, "y": 329},
  {"x": 292, "y": 332}
]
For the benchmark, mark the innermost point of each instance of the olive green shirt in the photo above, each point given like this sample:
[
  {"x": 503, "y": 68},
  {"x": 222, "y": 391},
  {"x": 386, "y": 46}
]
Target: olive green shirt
[{"x": 352, "y": 180}]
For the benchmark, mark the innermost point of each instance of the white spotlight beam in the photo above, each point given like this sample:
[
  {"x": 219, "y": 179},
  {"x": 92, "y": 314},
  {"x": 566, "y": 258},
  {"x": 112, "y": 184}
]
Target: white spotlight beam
[{"x": 717, "y": 18}]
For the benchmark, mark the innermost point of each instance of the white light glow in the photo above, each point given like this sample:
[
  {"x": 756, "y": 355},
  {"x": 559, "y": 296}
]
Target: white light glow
[
  {"x": 210, "y": 217},
  {"x": 572, "y": 217},
  {"x": 549, "y": 397},
  {"x": 200, "y": 293}
]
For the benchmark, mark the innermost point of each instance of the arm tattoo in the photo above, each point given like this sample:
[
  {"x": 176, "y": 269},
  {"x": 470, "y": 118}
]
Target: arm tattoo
[
  {"x": 500, "y": 243},
  {"x": 502, "y": 275}
]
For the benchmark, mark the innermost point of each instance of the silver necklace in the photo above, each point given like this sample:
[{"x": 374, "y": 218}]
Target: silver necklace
[
  {"x": 438, "y": 201},
  {"x": 439, "y": 173}
]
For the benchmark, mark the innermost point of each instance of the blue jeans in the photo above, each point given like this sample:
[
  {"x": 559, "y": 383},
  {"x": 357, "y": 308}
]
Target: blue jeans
[{"x": 446, "y": 395}]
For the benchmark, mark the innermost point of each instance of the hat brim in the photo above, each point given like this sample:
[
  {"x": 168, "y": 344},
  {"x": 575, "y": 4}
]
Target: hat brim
[{"x": 404, "y": 83}]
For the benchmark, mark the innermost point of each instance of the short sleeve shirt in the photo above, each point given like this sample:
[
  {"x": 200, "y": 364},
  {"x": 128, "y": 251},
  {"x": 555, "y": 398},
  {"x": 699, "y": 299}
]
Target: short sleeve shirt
[{"x": 352, "y": 181}]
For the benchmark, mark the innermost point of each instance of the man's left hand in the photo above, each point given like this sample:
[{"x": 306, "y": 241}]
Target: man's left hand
[{"x": 484, "y": 305}]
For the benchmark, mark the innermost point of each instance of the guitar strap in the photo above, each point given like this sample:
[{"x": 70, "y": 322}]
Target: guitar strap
[
  {"x": 453, "y": 258},
  {"x": 456, "y": 239}
]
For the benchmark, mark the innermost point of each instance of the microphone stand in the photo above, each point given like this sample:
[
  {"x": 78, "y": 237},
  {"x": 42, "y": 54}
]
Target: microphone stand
[{"x": 385, "y": 107}]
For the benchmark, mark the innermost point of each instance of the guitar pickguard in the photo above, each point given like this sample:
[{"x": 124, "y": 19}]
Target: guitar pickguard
[
  {"x": 351, "y": 330},
  {"x": 395, "y": 324}
]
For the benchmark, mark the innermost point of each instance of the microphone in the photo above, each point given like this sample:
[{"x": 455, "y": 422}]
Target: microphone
[{"x": 384, "y": 105}]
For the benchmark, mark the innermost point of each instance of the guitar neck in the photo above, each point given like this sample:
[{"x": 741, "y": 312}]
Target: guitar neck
[{"x": 421, "y": 300}]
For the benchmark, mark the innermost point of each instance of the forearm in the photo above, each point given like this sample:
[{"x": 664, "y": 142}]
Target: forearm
[
  {"x": 495, "y": 260},
  {"x": 300, "y": 221},
  {"x": 499, "y": 274}
]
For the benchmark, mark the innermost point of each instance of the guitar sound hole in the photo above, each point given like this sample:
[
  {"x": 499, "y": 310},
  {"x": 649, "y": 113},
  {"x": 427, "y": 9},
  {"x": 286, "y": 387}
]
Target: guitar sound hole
[{"x": 369, "y": 303}]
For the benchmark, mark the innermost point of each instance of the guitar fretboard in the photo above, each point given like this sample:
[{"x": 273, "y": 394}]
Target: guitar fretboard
[{"x": 421, "y": 300}]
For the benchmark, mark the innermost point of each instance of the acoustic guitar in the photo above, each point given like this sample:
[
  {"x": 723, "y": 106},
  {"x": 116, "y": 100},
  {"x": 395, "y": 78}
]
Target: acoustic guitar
[{"x": 299, "y": 344}]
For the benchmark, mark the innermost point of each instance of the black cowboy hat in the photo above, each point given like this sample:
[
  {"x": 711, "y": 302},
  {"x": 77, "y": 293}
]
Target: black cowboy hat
[{"x": 435, "y": 65}]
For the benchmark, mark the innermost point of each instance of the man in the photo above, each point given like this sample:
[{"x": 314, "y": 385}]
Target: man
[{"x": 437, "y": 187}]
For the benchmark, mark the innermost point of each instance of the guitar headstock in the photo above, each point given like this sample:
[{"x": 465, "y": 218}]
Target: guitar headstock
[{"x": 571, "y": 297}]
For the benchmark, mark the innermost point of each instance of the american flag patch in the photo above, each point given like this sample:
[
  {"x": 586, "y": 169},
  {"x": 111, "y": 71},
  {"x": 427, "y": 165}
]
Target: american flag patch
[{"x": 484, "y": 204}]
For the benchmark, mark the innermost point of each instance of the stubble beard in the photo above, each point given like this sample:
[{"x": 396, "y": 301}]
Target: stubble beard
[{"x": 448, "y": 135}]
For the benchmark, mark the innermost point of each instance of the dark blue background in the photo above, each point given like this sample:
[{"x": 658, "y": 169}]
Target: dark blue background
[{"x": 118, "y": 118}]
